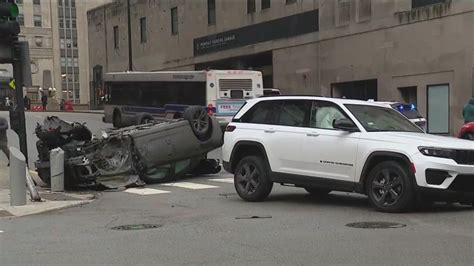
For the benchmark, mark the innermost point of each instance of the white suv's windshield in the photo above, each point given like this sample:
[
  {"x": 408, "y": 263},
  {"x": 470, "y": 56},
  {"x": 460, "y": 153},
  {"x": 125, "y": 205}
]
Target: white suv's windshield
[{"x": 375, "y": 119}]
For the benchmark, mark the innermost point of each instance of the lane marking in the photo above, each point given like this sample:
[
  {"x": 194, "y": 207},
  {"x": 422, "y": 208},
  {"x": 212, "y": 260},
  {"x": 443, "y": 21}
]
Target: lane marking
[
  {"x": 146, "y": 191},
  {"x": 189, "y": 185},
  {"x": 1, "y": 231},
  {"x": 229, "y": 180}
]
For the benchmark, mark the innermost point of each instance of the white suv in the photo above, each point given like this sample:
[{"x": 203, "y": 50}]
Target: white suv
[{"x": 325, "y": 144}]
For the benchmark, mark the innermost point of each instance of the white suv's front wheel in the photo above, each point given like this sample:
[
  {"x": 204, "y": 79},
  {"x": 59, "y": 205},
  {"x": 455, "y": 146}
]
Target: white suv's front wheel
[
  {"x": 390, "y": 187},
  {"x": 251, "y": 179}
]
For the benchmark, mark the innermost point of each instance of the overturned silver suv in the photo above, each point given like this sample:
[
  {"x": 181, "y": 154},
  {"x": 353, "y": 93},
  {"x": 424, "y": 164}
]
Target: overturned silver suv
[{"x": 155, "y": 152}]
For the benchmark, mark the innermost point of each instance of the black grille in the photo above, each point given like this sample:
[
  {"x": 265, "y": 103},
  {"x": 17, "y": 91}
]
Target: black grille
[
  {"x": 463, "y": 183},
  {"x": 465, "y": 157}
]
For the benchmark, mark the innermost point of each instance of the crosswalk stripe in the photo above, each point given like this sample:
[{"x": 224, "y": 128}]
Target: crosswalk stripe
[
  {"x": 146, "y": 191},
  {"x": 188, "y": 185},
  {"x": 223, "y": 180}
]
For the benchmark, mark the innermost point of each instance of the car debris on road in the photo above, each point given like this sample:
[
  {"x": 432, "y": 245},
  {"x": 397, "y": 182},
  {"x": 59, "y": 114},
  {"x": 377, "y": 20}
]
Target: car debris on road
[{"x": 156, "y": 152}]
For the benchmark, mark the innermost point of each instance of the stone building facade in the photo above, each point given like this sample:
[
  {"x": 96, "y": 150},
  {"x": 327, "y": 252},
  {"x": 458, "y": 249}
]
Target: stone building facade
[{"x": 418, "y": 51}]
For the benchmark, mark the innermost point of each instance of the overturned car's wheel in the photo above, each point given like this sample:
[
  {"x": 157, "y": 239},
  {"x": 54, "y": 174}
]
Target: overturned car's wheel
[{"x": 199, "y": 121}]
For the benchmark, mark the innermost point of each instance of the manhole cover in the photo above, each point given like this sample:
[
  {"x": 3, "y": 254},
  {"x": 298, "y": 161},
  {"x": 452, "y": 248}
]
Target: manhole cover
[
  {"x": 375, "y": 225},
  {"x": 136, "y": 226},
  {"x": 57, "y": 197}
]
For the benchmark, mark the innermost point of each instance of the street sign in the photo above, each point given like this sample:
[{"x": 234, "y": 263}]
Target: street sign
[{"x": 12, "y": 84}]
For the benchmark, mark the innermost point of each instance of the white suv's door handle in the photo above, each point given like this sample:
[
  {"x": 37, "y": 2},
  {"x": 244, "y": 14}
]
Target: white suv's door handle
[
  {"x": 312, "y": 134},
  {"x": 270, "y": 130}
]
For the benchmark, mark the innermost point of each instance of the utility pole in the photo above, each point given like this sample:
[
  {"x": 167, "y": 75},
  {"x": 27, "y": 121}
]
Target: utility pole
[
  {"x": 16, "y": 53},
  {"x": 130, "y": 54}
]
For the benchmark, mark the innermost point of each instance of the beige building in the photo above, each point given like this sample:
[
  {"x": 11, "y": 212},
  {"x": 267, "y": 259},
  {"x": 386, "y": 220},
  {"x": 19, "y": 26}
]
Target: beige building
[
  {"x": 418, "y": 51},
  {"x": 37, "y": 29},
  {"x": 57, "y": 33}
]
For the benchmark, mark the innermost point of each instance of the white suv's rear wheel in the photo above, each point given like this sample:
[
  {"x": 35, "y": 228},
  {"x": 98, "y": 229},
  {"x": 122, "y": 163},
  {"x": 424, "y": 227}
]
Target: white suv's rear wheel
[
  {"x": 390, "y": 187},
  {"x": 251, "y": 179}
]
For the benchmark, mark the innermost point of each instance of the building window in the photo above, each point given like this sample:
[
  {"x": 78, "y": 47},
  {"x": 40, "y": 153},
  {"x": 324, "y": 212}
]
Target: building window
[
  {"x": 37, "y": 20},
  {"x": 61, "y": 43},
  {"x": 116, "y": 37},
  {"x": 288, "y": 2},
  {"x": 211, "y": 12},
  {"x": 422, "y": 3},
  {"x": 74, "y": 25},
  {"x": 143, "y": 30},
  {"x": 61, "y": 23},
  {"x": 36, "y": 2},
  {"x": 363, "y": 10},
  {"x": 21, "y": 19},
  {"x": 250, "y": 6},
  {"x": 174, "y": 20},
  {"x": 73, "y": 3},
  {"x": 68, "y": 24},
  {"x": 60, "y": 2},
  {"x": 74, "y": 43},
  {"x": 438, "y": 109},
  {"x": 409, "y": 94},
  {"x": 265, "y": 4},
  {"x": 343, "y": 12}
]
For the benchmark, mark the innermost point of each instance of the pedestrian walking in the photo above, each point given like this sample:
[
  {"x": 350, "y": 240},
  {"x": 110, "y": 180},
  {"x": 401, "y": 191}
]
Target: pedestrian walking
[
  {"x": 27, "y": 102},
  {"x": 44, "y": 101},
  {"x": 468, "y": 112},
  {"x": 3, "y": 138}
]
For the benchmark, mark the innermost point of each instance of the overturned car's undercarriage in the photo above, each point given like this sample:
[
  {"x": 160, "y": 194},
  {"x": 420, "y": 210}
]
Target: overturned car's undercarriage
[{"x": 155, "y": 152}]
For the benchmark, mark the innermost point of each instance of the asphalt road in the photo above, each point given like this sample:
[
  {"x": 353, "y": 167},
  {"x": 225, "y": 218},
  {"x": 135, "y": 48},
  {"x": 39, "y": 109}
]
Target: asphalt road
[{"x": 197, "y": 224}]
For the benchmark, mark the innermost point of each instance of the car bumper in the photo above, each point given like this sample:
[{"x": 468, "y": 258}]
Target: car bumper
[{"x": 456, "y": 182}]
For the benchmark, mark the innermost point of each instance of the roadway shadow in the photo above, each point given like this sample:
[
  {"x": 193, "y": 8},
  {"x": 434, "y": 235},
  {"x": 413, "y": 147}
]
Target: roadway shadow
[
  {"x": 359, "y": 202},
  {"x": 334, "y": 200}
]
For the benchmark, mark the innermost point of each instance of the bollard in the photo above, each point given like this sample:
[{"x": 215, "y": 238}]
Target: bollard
[
  {"x": 17, "y": 178},
  {"x": 56, "y": 159}
]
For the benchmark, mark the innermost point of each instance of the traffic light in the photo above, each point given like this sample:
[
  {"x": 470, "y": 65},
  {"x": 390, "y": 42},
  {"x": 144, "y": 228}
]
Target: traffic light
[{"x": 8, "y": 25}]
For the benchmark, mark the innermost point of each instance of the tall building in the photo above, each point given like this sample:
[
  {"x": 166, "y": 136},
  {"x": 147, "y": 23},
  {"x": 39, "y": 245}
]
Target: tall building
[
  {"x": 56, "y": 31},
  {"x": 71, "y": 48},
  {"x": 418, "y": 51},
  {"x": 36, "y": 28}
]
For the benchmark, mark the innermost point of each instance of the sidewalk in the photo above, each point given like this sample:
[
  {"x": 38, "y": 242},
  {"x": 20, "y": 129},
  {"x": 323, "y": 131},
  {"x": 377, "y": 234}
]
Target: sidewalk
[{"x": 50, "y": 201}]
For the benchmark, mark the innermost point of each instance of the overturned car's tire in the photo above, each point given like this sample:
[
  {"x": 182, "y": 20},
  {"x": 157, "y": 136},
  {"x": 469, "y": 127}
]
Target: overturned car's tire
[{"x": 199, "y": 121}]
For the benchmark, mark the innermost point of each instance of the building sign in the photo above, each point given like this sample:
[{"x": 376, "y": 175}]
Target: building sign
[{"x": 286, "y": 27}]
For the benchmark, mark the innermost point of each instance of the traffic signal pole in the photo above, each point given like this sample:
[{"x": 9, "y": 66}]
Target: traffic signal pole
[{"x": 19, "y": 50}]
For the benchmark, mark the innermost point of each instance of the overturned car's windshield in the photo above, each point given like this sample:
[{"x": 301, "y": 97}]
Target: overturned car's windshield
[{"x": 375, "y": 119}]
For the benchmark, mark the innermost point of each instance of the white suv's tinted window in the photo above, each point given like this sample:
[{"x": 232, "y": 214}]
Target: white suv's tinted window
[
  {"x": 295, "y": 113},
  {"x": 323, "y": 115},
  {"x": 266, "y": 112}
]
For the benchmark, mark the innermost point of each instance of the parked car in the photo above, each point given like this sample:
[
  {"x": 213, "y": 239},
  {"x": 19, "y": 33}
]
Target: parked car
[
  {"x": 325, "y": 144},
  {"x": 410, "y": 111},
  {"x": 156, "y": 152},
  {"x": 467, "y": 131}
]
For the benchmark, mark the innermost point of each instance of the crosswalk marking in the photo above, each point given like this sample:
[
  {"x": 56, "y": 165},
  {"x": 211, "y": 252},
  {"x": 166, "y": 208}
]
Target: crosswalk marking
[
  {"x": 146, "y": 191},
  {"x": 189, "y": 185},
  {"x": 223, "y": 180}
]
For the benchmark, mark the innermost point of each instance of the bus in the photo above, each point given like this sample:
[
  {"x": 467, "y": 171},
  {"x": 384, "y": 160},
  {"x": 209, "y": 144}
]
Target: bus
[{"x": 133, "y": 98}]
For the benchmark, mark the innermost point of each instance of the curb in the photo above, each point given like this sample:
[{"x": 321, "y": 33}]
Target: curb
[{"x": 71, "y": 204}]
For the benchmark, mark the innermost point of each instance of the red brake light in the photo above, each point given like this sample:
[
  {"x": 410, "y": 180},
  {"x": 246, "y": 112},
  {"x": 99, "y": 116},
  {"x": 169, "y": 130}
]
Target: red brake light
[{"x": 230, "y": 128}]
